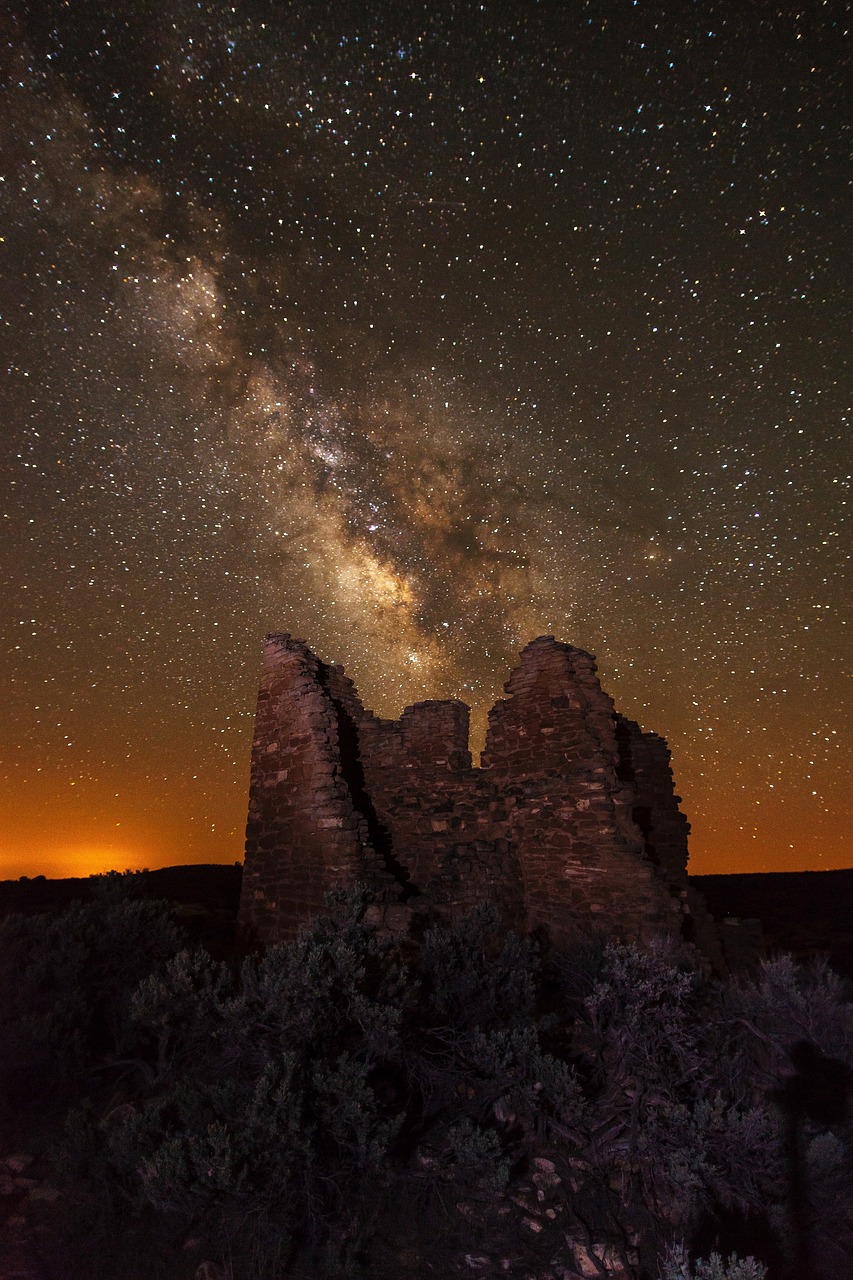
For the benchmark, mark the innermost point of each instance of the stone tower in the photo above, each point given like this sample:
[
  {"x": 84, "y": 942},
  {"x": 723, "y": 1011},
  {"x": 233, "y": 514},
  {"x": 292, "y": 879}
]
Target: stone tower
[{"x": 569, "y": 825}]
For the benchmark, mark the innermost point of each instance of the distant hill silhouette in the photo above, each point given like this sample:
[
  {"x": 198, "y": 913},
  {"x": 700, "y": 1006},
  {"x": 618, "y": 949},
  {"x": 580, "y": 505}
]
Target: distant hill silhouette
[
  {"x": 805, "y": 912},
  {"x": 206, "y": 896}
]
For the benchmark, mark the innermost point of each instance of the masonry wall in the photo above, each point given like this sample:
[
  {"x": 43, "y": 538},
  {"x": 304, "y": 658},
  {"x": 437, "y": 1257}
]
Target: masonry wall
[
  {"x": 569, "y": 824},
  {"x": 304, "y": 833},
  {"x": 553, "y": 748}
]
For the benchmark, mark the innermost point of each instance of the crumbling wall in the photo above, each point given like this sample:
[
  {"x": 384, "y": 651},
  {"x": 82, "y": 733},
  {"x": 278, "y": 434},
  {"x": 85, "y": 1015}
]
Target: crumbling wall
[
  {"x": 569, "y": 824},
  {"x": 644, "y": 764},
  {"x": 553, "y": 745},
  {"x": 304, "y": 832}
]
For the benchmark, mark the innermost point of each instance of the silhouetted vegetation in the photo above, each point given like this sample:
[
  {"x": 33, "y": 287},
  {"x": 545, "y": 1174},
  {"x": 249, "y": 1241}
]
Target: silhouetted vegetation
[{"x": 348, "y": 1106}]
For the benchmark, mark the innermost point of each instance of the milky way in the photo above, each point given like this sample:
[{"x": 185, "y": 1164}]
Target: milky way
[{"x": 417, "y": 335}]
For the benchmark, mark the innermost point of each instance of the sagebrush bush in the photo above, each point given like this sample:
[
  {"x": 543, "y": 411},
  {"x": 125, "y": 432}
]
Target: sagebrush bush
[
  {"x": 763, "y": 1016},
  {"x": 677, "y": 1266},
  {"x": 67, "y": 981},
  {"x": 333, "y": 1098}
]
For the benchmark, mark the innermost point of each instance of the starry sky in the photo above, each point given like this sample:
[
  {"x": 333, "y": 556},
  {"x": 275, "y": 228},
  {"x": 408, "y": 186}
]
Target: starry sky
[{"x": 418, "y": 330}]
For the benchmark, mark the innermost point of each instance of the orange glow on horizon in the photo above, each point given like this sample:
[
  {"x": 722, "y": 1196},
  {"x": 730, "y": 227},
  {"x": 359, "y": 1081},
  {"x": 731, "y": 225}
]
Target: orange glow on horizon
[
  {"x": 189, "y": 812},
  {"x": 66, "y": 861},
  {"x": 80, "y": 861},
  {"x": 778, "y": 844}
]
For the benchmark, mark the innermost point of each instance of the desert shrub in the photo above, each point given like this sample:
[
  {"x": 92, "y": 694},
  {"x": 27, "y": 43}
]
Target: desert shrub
[
  {"x": 534, "y": 1086},
  {"x": 286, "y": 1106},
  {"x": 641, "y": 1020},
  {"x": 179, "y": 1011},
  {"x": 828, "y": 1192},
  {"x": 763, "y": 1017},
  {"x": 639, "y": 1038},
  {"x": 66, "y": 981},
  {"x": 476, "y": 1157},
  {"x": 263, "y": 1126},
  {"x": 282, "y": 1103},
  {"x": 677, "y": 1266},
  {"x": 472, "y": 986},
  {"x": 660, "y": 1125},
  {"x": 782, "y": 1043},
  {"x": 336, "y": 984},
  {"x": 477, "y": 975}
]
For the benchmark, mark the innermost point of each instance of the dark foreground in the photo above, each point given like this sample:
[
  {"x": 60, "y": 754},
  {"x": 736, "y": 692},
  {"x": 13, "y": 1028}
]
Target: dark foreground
[
  {"x": 348, "y": 1107},
  {"x": 807, "y": 913}
]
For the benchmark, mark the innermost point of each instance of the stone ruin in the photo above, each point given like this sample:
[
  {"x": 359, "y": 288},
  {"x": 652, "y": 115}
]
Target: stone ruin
[{"x": 570, "y": 825}]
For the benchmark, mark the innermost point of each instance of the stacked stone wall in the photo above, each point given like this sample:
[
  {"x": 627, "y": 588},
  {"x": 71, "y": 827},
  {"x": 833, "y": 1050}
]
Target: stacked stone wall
[
  {"x": 304, "y": 834},
  {"x": 547, "y": 827},
  {"x": 582, "y": 855},
  {"x": 645, "y": 763}
]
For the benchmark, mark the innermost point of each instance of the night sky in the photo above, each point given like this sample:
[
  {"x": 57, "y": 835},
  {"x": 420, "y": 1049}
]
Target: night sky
[{"x": 418, "y": 331}]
